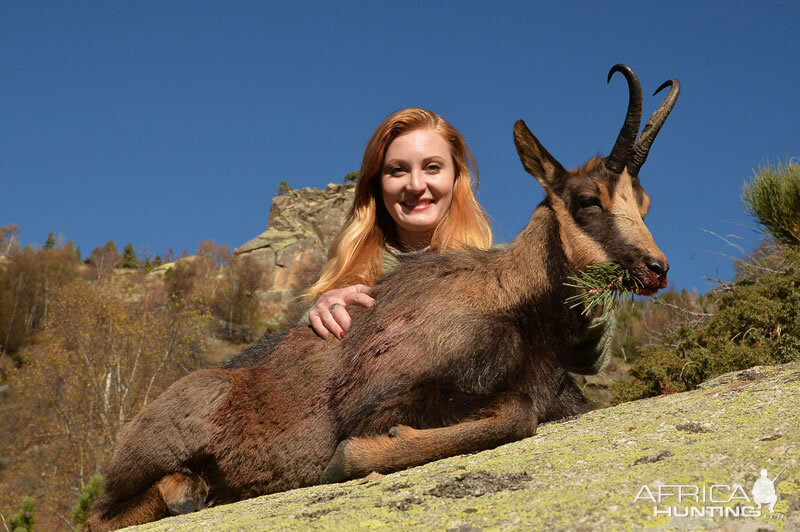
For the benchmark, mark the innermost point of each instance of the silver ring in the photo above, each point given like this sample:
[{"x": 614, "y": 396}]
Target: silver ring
[{"x": 334, "y": 306}]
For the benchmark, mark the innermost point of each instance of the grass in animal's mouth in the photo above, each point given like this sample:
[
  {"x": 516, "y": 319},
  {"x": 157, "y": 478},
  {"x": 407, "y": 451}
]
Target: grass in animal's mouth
[{"x": 603, "y": 285}]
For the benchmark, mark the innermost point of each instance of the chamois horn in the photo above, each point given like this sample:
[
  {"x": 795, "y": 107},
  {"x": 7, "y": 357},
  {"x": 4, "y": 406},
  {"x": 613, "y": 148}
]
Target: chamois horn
[
  {"x": 642, "y": 146},
  {"x": 627, "y": 135}
]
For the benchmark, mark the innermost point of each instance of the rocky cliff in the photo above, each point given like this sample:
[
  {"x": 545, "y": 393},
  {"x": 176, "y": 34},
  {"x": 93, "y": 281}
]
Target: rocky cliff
[
  {"x": 619, "y": 468},
  {"x": 294, "y": 248}
]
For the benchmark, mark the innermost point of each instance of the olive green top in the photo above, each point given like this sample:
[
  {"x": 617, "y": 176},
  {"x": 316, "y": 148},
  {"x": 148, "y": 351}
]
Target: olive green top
[{"x": 589, "y": 357}]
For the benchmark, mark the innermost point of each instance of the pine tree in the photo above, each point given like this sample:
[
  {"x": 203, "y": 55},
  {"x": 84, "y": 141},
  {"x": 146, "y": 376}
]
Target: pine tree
[
  {"x": 91, "y": 490},
  {"x": 772, "y": 198},
  {"x": 22, "y": 521},
  {"x": 78, "y": 253},
  {"x": 351, "y": 177},
  {"x": 51, "y": 241},
  {"x": 284, "y": 188},
  {"x": 129, "y": 258},
  {"x": 157, "y": 261}
]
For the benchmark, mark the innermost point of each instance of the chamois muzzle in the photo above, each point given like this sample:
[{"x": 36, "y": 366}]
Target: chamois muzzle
[{"x": 651, "y": 276}]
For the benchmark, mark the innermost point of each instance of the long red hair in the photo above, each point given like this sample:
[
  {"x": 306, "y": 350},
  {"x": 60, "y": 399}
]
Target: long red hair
[{"x": 356, "y": 254}]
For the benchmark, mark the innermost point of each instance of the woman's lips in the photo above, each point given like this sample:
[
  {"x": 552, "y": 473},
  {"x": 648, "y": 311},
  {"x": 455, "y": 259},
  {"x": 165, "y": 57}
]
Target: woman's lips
[{"x": 418, "y": 205}]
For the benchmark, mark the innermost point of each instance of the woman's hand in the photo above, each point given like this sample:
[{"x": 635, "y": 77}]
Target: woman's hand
[{"x": 325, "y": 321}]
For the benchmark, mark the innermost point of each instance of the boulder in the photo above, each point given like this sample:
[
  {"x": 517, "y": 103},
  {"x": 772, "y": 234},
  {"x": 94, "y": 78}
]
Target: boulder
[{"x": 294, "y": 248}]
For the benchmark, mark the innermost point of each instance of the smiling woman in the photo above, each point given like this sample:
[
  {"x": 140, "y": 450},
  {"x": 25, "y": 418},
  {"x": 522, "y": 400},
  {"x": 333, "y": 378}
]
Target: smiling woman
[
  {"x": 417, "y": 185},
  {"x": 415, "y": 192}
]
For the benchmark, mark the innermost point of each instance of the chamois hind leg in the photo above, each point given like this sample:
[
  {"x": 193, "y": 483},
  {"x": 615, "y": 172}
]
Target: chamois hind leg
[
  {"x": 510, "y": 417},
  {"x": 142, "y": 508},
  {"x": 178, "y": 493}
]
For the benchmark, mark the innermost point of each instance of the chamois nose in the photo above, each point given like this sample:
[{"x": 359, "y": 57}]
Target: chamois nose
[{"x": 657, "y": 267}]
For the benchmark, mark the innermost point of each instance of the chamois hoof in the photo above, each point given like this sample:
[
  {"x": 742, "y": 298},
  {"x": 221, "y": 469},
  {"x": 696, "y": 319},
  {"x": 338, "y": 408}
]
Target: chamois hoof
[
  {"x": 183, "y": 494},
  {"x": 186, "y": 506},
  {"x": 337, "y": 467}
]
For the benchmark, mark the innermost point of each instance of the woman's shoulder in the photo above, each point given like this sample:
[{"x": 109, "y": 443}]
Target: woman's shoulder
[{"x": 393, "y": 256}]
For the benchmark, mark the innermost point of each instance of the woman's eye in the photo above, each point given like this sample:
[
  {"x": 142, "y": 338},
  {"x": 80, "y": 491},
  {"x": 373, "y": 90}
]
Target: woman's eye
[
  {"x": 396, "y": 171},
  {"x": 433, "y": 168},
  {"x": 585, "y": 202}
]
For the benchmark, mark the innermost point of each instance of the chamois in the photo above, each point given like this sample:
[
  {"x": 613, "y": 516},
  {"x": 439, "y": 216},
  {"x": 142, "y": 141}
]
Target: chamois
[{"x": 461, "y": 352}]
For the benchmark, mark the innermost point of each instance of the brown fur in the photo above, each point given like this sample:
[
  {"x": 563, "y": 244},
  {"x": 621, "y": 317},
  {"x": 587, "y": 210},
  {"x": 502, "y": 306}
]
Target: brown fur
[{"x": 461, "y": 352}]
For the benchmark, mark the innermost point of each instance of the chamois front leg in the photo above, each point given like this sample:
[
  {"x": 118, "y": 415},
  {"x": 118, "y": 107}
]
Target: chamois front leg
[{"x": 510, "y": 417}]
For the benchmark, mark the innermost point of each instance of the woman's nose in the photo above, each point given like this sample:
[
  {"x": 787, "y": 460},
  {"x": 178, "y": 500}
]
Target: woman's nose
[{"x": 416, "y": 181}]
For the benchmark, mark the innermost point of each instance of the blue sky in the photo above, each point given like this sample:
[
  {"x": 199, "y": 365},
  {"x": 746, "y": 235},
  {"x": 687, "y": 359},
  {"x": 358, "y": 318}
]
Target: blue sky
[{"x": 167, "y": 123}]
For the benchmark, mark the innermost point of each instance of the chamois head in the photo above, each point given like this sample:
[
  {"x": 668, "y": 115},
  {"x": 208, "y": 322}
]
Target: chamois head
[{"x": 601, "y": 206}]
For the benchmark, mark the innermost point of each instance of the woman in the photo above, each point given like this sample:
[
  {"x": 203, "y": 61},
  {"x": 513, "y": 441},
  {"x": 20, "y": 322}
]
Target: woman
[{"x": 414, "y": 195}]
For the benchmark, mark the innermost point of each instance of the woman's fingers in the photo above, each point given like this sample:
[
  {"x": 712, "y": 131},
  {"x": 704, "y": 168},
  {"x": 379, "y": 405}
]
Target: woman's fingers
[
  {"x": 317, "y": 325},
  {"x": 330, "y": 322},
  {"x": 361, "y": 299},
  {"x": 325, "y": 321},
  {"x": 360, "y": 288},
  {"x": 342, "y": 318},
  {"x": 330, "y": 316}
]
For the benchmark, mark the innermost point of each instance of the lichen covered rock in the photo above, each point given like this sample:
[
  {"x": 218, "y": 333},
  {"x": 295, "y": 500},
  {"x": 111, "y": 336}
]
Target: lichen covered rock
[{"x": 618, "y": 468}]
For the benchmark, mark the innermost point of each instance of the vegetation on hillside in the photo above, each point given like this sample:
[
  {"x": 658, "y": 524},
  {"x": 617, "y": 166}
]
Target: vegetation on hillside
[
  {"x": 29, "y": 281},
  {"x": 217, "y": 283},
  {"x": 99, "y": 359},
  {"x": 83, "y": 346}
]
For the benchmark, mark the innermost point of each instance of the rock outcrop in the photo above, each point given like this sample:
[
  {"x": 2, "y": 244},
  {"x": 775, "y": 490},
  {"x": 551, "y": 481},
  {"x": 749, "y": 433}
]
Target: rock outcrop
[
  {"x": 294, "y": 248},
  {"x": 618, "y": 468}
]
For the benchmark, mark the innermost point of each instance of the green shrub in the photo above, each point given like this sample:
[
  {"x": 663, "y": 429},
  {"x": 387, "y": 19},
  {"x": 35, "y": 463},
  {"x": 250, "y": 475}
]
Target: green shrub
[
  {"x": 129, "y": 259},
  {"x": 22, "y": 521},
  {"x": 757, "y": 322},
  {"x": 284, "y": 188},
  {"x": 772, "y": 197},
  {"x": 91, "y": 490}
]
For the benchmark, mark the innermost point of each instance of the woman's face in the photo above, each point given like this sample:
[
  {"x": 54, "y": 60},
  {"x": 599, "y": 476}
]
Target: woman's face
[{"x": 417, "y": 184}]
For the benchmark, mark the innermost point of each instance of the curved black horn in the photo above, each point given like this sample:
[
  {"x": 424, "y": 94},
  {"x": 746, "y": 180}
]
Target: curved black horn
[
  {"x": 642, "y": 147},
  {"x": 627, "y": 135}
]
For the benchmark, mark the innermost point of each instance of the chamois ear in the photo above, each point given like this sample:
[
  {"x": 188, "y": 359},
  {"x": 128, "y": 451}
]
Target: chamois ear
[{"x": 536, "y": 160}]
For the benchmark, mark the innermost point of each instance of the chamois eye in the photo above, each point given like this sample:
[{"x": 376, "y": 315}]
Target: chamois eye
[{"x": 584, "y": 202}]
